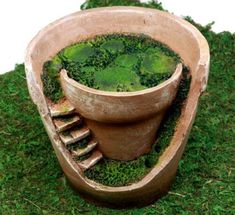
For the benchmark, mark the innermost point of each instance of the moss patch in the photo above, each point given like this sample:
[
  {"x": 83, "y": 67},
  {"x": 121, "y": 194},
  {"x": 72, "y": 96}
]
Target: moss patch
[
  {"x": 113, "y": 46},
  {"x": 121, "y": 173},
  {"x": 79, "y": 53},
  {"x": 111, "y": 63},
  {"x": 32, "y": 182},
  {"x": 126, "y": 80},
  {"x": 50, "y": 79}
]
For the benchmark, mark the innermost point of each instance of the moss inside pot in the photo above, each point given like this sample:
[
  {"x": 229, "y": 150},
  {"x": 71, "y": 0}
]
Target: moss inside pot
[{"x": 116, "y": 63}]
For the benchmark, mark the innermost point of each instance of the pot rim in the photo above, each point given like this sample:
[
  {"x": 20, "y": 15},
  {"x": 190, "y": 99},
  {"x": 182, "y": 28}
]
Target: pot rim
[{"x": 175, "y": 76}]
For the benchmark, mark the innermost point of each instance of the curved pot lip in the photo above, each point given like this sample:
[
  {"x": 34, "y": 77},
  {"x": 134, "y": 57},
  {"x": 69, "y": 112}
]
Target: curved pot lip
[
  {"x": 175, "y": 76},
  {"x": 196, "y": 33}
]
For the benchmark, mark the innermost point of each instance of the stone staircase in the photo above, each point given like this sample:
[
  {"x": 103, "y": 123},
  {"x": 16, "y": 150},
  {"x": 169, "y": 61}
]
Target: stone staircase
[{"x": 71, "y": 130}]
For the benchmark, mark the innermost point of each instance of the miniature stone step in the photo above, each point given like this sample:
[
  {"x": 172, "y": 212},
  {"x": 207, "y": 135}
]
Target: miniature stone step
[
  {"x": 74, "y": 135},
  {"x": 91, "y": 161},
  {"x": 80, "y": 152},
  {"x": 63, "y": 108},
  {"x": 63, "y": 124}
]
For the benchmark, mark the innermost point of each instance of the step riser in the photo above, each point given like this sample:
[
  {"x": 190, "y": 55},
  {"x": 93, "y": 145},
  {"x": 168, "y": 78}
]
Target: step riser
[
  {"x": 65, "y": 125},
  {"x": 81, "y": 134},
  {"x": 62, "y": 109},
  {"x": 81, "y": 152},
  {"x": 91, "y": 161}
]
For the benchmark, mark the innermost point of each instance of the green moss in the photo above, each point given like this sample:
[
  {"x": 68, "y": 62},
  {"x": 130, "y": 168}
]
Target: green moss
[
  {"x": 155, "y": 67},
  {"x": 101, "y": 3},
  {"x": 135, "y": 62},
  {"x": 118, "y": 79},
  {"x": 113, "y": 46},
  {"x": 83, "y": 157},
  {"x": 81, "y": 144},
  {"x": 79, "y": 53},
  {"x": 121, "y": 173},
  {"x": 50, "y": 79},
  {"x": 32, "y": 182},
  {"x": 154, "y": 62},
  {"x": 128, "y": 61}
]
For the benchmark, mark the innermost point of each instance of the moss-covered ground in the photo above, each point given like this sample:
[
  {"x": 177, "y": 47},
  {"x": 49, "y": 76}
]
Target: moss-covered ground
[
  {"x": 113, "y": 62},
  {"x": 31, "y": 181}
]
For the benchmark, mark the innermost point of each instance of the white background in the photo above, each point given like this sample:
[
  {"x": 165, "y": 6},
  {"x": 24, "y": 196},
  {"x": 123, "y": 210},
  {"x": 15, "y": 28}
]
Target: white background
[{"x": 20, "y": 20}]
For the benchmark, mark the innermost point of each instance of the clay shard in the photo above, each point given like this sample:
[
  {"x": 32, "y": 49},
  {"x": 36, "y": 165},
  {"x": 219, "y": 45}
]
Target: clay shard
[
  {"x": 80, "y": 152},
  {"x": 63, "y": 124},
  {"x": 74, "y": 135},
  {"x": 91, "y": 161},
  {"x": 61, "y": 109}
]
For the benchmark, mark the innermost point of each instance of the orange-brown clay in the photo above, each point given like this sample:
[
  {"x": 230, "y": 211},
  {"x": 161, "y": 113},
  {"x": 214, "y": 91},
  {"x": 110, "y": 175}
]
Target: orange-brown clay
[{"x": 180, "y": 36}]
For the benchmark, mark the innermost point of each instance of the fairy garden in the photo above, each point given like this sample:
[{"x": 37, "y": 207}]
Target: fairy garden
[{"x": 119, "y": 63}]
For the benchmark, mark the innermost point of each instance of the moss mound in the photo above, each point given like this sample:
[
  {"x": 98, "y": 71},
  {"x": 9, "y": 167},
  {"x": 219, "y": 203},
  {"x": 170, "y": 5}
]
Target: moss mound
[{"x": 115, "y": 62}]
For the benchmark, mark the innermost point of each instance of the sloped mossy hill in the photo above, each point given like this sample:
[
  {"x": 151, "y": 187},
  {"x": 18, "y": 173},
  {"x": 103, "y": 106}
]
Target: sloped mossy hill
[{"x": 116, "y": 62}]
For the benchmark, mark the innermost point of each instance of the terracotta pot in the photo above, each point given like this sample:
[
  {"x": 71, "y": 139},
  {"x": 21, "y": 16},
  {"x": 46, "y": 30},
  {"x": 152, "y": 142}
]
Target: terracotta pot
[
  {"x": 104, "y": 111},
  {"x": 123, "y": 123}
]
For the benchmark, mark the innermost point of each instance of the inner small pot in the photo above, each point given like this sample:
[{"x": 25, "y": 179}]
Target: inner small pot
[{"x": 124, "y": 123}]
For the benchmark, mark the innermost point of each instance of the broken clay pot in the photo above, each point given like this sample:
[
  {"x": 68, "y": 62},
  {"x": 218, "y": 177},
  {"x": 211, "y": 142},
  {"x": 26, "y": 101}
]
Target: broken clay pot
[{"x": 123, "y": 124}]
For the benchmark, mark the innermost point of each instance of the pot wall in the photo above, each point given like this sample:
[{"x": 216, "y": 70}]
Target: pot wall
[{"x": 125, "y": 141}]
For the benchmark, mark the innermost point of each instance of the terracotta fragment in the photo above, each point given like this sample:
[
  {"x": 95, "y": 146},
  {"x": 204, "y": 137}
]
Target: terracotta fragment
[
  {"x": 64, "y": 124},
  {"x": 90, "y": 146},
  {"x": 63, "y": 108},
  {"x": 74, "y": 135},
  {"x": 91, "y": 161}
]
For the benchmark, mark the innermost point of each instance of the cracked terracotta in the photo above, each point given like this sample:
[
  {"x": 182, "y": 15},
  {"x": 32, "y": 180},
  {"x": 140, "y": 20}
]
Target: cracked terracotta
[{"x": 104, "y": 110}]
